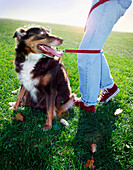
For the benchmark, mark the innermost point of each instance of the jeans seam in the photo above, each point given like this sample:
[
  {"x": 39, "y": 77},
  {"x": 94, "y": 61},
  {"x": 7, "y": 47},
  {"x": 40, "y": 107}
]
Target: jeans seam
[{"x": 86, "y": 78}]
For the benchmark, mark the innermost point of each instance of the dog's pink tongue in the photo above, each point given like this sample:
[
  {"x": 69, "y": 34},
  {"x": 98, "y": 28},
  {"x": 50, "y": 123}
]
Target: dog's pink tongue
[
  {"x": 54, "y": 52},
  {"x": 49, "y": 51}
]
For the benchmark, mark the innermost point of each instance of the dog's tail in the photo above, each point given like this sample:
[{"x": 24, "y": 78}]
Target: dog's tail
[{"x": 67, "y": 105}]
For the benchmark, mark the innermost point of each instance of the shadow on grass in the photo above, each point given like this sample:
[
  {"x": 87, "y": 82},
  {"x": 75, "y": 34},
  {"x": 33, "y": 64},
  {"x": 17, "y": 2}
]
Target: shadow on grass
[
  {"x": 22, "y": 141},
  {"x": 96, "y": 128},
  {"x": 24, "y": 145}
]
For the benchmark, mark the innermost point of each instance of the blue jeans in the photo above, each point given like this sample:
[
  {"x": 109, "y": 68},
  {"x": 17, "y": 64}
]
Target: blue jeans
[{"x": 94, "y": 71}]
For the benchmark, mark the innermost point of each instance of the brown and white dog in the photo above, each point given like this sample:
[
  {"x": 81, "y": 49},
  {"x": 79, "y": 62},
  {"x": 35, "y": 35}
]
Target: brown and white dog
[{"x": 45, "y": 82}]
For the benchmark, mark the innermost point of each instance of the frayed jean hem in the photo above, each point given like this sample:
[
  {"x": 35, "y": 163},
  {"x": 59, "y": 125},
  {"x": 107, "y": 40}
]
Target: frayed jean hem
[
  {"x": 107, "y": 86},
  {"x": 89, "y": 103}
]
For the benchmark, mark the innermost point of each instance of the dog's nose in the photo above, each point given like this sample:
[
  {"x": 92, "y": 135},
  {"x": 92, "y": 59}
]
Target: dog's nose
[{"x": 61, "y": 40}]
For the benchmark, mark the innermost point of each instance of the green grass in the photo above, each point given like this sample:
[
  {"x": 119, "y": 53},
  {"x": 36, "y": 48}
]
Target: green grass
[{"x": 24, "y": 146}]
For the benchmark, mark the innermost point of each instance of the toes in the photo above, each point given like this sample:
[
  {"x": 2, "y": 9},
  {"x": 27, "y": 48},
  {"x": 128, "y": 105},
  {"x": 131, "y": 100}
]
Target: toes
[
  {"x": 12, "y": 103},
  {"x": 46, "y": 128}
]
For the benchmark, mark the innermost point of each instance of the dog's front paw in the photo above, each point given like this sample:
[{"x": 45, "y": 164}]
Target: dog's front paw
[
  {"x": 15, "y": 91},
  {"x": 46, "y": 127},
  {"x": 11, "y": 108},
  {"x": 12, "y": 103}
]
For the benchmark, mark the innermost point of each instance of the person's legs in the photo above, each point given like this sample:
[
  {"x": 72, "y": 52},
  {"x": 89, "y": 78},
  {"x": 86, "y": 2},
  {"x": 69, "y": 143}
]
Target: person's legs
[
  {"x": 106, "y": 80},
  {"x": 93, "y": 68}
]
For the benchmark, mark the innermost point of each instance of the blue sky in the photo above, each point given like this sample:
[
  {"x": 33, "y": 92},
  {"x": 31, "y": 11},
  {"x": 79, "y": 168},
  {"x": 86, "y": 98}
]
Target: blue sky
[{"x": 68, "y": 12}]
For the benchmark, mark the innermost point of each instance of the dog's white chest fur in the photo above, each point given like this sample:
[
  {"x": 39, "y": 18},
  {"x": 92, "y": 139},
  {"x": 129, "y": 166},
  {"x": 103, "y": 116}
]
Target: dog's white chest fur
[{"x": 26, "y": 75}]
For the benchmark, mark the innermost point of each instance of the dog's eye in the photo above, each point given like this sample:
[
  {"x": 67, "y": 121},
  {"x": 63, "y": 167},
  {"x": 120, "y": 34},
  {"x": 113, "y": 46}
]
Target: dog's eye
[{"x": 43, "y": 32}]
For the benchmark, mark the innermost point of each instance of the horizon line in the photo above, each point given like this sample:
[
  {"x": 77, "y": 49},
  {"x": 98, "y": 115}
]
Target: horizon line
[{"x": 23, "y": 20}]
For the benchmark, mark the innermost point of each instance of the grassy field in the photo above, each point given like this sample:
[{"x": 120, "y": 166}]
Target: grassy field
[{"x": 24, "y": 146}]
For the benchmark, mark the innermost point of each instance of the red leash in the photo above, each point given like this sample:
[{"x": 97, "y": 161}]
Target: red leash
[
  {"x": 81, "y": 51},
  {"x": 87, "y": 51},
  {"x": 93, "y": 7}
]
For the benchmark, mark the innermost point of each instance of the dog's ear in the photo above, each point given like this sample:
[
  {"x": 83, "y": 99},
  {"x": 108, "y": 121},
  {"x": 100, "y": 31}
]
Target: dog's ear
[
  {"x": 19, "y": 34},
  {"x": 48, "y": 29}
]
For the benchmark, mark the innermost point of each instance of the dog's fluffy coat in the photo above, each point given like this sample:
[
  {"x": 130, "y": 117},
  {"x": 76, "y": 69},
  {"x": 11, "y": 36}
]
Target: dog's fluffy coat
[{"x": 45, "y": 83}]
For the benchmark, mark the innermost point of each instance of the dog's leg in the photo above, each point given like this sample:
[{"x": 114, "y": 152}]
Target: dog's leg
[
  {"x": 20, "y": 97},
  {"x": 50, "y": 107}
]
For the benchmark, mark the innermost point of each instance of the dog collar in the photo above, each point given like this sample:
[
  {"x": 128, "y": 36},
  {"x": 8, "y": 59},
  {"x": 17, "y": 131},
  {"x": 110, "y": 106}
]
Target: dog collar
[{"x": 46, "y": 56}]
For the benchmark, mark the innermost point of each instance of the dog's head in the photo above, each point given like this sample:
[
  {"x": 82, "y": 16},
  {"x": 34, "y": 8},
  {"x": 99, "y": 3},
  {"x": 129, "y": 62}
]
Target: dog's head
[{"x": 38, "y": 40}]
